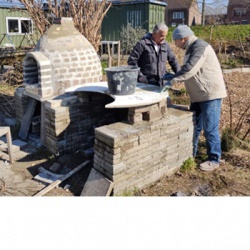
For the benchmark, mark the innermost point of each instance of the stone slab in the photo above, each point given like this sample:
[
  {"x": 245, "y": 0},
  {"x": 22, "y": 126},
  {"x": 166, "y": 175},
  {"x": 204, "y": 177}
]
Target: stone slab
[
  {"x": 145, "y": 94},
  {"x": 17, "y": 145},
  {"x": 97, "y": 185}
]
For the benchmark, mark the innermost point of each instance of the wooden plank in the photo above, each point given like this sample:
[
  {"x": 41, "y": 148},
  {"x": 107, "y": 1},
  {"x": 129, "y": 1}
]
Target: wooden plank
[
  {"x": 46, "y": 176},
  {"x": 97, "y": 185},
  {"x": 6, "y": 131},
  {"x": 119, "y": 53},
  {"x": 109, "y": 56},
  {"x": 63, "y": 178},
  {"x": 25, "y": 125},
  {"x": 42, "y": 128}
]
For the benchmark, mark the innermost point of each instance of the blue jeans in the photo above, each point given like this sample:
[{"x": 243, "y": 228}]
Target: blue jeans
[{"x": 208, "y": 119}]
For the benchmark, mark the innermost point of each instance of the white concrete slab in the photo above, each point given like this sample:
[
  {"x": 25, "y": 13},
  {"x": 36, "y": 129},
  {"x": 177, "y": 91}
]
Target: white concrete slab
[
  {"x": 99, "y": 87},
  {"x": 145, "y": 94}
]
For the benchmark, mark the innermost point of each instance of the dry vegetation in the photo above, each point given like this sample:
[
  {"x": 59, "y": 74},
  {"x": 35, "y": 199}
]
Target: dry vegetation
[
  {"x": 236, "y": 108},
  {"x": 233, "y": 178}
]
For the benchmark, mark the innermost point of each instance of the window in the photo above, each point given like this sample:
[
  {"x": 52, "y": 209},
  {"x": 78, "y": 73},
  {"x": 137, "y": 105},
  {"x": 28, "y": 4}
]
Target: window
[
  {"x": 26, "y": 26},
  {"x": 18, "y": 25},
  {"x": 178, "y": 15},
  {"x": 240, "y": 12}
]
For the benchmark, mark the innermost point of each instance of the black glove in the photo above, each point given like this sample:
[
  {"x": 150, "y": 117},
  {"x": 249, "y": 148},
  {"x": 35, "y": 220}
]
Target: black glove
[
  {"x": 143, "y": 79},
  {"x": 168, "y": 76},
  {"x": 167, "y": 86}
]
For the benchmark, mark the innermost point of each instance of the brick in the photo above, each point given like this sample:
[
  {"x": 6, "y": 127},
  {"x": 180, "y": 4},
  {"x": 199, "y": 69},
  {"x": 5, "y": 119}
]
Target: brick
[
  {"x": 152, "y": 115},
  {"x": 135, "y": 118}
]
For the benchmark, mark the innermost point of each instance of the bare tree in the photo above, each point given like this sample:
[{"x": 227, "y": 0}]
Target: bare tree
[
  {"x": 245, "y": 2},
  {"x": 212, "y": 7},
  {"x": 87, "y": 15}
]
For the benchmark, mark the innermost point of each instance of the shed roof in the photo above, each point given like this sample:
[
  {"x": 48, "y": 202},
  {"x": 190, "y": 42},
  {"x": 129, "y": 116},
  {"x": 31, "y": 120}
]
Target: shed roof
[
  {"x": 12, "y": 4},
  {"x": 237, "y": 2},
  {"x": 176, "y": 4},
  {"x": 124, "y": 2}
]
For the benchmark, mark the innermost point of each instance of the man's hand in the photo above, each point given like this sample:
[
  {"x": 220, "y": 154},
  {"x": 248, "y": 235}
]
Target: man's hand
[
  {"x": 166, "y": 87},
  {"x": 168, "y": 76},
  {"x": 143, "y": 79}
]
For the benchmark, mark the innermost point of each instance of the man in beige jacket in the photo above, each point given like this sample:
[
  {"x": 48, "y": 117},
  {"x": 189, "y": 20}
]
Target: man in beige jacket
[{"x": 204, "y": 83}]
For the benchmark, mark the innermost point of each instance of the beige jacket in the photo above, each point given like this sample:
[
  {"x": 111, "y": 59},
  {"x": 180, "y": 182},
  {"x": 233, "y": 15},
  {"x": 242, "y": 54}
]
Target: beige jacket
[{"x": 201, "y": 72}]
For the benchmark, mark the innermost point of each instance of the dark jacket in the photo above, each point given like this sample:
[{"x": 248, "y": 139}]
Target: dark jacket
[{"x": 151, "y": 64}]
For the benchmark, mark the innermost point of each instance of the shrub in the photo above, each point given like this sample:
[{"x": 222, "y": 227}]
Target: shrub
[
  {"x": 227, "y": 140},
  {"x": 188, "y": 165},
  {"x": 129, "y": 36}
]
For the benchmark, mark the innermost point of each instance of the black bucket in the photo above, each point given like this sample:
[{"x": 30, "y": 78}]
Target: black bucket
[{"x": 122, "y": 80}]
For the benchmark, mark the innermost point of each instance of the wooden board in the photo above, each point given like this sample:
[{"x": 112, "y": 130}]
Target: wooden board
[
  {"x": 25, "y": 125},
  {"x": 63, "y": 178}
]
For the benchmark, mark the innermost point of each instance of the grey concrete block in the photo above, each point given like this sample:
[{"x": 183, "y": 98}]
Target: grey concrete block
[{"x": 97, "y": 185}]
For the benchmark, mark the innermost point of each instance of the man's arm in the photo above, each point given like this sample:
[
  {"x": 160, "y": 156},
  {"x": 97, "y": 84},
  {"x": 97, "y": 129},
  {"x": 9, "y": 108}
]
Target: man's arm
[
  {"x": 135, "y": 56},
  {"x": 173, "y": 62},
  {"x": 192, "y": 66}
]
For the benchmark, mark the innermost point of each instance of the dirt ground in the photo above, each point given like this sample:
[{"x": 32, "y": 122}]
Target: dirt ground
[{"x": 231, "y": 179}]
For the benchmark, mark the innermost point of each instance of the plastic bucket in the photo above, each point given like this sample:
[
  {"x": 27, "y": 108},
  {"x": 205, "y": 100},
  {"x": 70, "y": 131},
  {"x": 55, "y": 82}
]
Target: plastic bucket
[{"x": 122, "y": 80}]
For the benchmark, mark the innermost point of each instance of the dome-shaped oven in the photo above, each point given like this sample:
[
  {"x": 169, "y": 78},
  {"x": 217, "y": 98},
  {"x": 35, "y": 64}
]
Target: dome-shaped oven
[{"x": 62, "y": 58}]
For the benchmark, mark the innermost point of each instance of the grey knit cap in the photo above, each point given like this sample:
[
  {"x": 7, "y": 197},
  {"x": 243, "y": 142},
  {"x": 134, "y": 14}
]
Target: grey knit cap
[{"x": 182, "y": 31}]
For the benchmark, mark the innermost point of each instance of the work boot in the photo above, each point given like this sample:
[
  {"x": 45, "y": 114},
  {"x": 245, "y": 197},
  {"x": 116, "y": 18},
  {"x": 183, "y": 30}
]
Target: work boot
[{"x": 209, "y": 166}]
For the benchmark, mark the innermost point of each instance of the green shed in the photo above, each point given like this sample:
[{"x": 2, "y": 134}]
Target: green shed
[
  {"x": 16, "y": 27},
  {"x": 142, "y": 13}
]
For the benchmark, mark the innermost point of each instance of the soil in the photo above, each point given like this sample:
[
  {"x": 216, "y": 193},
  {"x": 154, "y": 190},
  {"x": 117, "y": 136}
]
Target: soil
[{"x": 231, "y": 179}]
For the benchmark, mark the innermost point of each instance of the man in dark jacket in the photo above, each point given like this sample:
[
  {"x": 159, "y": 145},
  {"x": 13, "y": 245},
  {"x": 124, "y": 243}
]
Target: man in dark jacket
[{"x": 151, "y": 54}]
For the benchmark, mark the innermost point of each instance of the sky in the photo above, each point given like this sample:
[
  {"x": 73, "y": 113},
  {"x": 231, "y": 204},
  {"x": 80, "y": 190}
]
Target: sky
[
  {"x": 215, "y": 6},
  {"x": 212, "y": 6}
]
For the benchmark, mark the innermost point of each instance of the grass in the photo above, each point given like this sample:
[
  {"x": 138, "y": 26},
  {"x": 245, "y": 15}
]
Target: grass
[
  {"x": 227, "y": 141},
  {"x": 7, "y": 89},
  {"x": 131, "y": 192},
  {"x": 188, "y": 165},
  {"x": 219, "y": 32},
  {"x": 179, "y": 97},
  {"x": 104, "y": 66}
]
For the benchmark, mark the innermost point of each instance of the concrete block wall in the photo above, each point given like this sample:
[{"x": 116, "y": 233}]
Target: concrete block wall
[
  {"x": 70, "y": 122},
  {"x": 21, "y": 102},
  {"x": 139, "y": 154}
]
